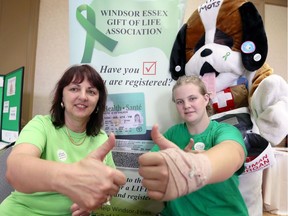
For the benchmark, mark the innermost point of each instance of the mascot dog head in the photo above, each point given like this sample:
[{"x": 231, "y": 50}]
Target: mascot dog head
[{"x": 224, "y": 37}]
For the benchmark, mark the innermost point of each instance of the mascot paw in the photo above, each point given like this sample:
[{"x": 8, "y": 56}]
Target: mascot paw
[{"x": 269, "y": 105}]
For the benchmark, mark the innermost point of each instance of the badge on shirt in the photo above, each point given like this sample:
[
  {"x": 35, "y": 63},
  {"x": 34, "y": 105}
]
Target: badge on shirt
[
  {"x": 62, "y": 155},
  {"x": 199, "y": 146}
]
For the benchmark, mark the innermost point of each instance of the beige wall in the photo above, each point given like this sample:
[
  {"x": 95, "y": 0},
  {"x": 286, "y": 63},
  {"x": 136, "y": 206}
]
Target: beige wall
[
  {"x": 52, "y": 56},
  {"x": 276, "y": 29},
  {"x": 18, "y": 35}
]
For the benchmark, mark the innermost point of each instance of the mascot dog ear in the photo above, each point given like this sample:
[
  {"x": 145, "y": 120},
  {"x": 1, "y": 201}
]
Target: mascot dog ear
[
  {"x": 253, "y": 32},
  {"x": 178, "y": 54}
]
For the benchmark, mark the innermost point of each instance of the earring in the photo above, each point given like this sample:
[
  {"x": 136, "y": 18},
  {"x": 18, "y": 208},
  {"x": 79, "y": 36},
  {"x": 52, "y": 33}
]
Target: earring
[
  {"x": 97, "y": 109},
  {"x": 62, "y": 105}
]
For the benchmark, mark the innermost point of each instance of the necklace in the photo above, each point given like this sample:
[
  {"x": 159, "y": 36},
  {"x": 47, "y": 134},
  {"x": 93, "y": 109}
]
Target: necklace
[{"x": 72, "y": 140}]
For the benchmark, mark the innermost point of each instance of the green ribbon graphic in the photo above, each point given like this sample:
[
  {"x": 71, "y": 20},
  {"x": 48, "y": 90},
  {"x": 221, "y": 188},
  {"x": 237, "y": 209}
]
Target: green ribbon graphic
[
  {"x": 226, "y": 56},
  {"x": 93, "y": 34}
]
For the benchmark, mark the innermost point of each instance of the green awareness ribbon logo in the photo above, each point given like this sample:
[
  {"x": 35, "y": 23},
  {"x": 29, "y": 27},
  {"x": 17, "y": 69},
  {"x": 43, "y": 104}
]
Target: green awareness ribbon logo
[
  {"x": 93, "y": 34},
  {"x": 226, "y": 56}
]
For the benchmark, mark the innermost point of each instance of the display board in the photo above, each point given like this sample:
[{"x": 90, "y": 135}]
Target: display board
[
  {"x": 129, "y": 44},
  {"x": 11, "y": 92}
]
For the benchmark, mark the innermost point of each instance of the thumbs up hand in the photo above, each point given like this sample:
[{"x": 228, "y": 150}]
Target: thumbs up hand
[
  {"x": 153, "y": 167},
  {"x": 90, "y": 183},
  {"x": 160, "y": 140}
]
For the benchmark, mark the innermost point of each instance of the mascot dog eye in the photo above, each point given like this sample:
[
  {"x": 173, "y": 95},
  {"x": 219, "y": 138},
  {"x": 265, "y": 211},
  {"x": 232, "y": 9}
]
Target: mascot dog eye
[{"x": 220, "y": 38}]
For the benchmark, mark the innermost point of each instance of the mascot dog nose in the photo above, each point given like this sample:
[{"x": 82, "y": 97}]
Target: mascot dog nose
[{"x": 206, "y": 52}]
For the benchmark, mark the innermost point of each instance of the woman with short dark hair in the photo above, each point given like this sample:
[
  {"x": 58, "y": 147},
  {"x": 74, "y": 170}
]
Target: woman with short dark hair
[{"x": 62, "y": 163}]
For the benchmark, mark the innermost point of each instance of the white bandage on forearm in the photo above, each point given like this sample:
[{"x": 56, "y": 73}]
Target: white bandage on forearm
[{"x": 187, "y": 172}]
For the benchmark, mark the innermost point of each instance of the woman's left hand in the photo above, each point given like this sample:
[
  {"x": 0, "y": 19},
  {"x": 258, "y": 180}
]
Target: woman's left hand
[
  {"x": 189, "y": 147},
  {"x": 77, "y": 211}
]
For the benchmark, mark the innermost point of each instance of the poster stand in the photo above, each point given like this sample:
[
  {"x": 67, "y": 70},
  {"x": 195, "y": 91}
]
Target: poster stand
[{"x": 11, "y": 91}]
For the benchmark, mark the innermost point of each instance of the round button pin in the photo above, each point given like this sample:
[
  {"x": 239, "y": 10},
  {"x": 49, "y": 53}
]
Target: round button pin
[
  {"x": 199, "y": 146},
  {"x": 178, "y": 68},
  {"x": 248, "y": 47},
  {"x": 257, "y": 57},
  {"x": 62, "y": 155}
]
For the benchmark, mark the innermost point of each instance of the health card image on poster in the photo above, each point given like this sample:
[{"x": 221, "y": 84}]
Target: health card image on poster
[{"x": 125, "y": 114}]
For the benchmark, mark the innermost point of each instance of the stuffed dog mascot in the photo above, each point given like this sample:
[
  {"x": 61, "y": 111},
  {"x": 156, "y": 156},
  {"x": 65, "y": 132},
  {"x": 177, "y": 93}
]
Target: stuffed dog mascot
[{"x": 224, "y": 42}]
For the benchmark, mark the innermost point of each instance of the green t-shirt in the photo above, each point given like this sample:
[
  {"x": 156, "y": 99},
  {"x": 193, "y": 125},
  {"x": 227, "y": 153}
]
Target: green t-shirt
[
  {"x": 217, "y": 199},
  {"x": 54, "y": 145}
]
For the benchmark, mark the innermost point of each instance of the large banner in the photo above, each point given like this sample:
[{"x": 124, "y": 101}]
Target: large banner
[{"x": 129, "y": 43}]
